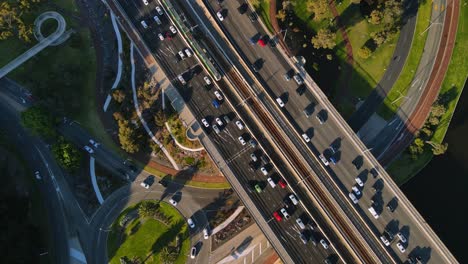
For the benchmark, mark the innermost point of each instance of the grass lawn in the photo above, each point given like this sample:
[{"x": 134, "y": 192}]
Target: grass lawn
[
  {"x": 262, "y": 7},
  {"x": 387, "y": 110},
  {"x": 300, "y": 9},
  {"x": 144, "y": 238},
  {"x": 404, "y": 168}
]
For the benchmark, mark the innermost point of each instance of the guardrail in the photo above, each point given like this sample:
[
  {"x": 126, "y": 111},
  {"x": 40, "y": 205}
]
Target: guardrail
[{"x": 175, "y": 18}]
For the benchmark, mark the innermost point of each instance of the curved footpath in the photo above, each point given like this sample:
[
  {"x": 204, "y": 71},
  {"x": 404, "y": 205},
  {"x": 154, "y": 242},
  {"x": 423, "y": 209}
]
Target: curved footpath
[{"x": 372, "y": 103}]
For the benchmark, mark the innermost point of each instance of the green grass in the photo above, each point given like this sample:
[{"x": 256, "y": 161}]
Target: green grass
[
  {"x": 387, "y": 110},
  {"x": 300, "y": 9},
  {"x": 144, "y": 238},
  {"x": 262, "y": 7},
  {"x": 404, "y": 168}
]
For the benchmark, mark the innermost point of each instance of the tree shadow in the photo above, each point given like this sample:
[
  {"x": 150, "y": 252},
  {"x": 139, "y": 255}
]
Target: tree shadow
[{"x": 166, "y": 238}]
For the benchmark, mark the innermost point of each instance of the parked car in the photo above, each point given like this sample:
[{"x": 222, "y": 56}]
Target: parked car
[
  {"x": 190, "y": 223},
  {"x": 159, "y": 10},
  {"x": 218, "y": 95},
  {"x": 239, "y": 124}
]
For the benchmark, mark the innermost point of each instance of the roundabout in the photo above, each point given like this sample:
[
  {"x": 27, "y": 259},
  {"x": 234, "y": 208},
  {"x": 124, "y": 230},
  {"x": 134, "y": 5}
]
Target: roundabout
[{"x": 151, "y": 232}]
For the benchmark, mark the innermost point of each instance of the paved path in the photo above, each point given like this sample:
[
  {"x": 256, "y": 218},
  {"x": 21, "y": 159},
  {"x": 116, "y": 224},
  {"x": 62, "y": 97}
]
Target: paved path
[
  {"x": 227, "y": 221},
  {"x": 120, "y": 64},
  {"x": 92, "y": 173},
  {"x": 41, "y": 45}
]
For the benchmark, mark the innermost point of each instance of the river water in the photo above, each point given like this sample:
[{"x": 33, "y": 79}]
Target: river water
[{"x": 439, "y": 190}]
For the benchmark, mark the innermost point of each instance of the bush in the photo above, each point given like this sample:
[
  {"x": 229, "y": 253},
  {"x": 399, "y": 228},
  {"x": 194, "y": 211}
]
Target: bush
[{"x": 364, "y": 52}]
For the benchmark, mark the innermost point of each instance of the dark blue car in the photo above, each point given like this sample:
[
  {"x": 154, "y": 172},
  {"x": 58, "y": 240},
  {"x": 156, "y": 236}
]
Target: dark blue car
[{"x": 215, "y": 103}]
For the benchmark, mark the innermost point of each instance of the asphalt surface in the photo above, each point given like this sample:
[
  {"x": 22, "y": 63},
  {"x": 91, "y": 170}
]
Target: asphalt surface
[
  {"x": 395, "y": 126},
  {"x": 32, "y": 149},
  {"x": 402, "y": 48},
  {"x": 343, "y": 174},
  {"x": 199, "y": 98}
]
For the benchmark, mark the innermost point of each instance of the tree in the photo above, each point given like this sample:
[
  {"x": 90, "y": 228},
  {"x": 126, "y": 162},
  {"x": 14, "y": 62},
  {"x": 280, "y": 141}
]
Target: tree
[
  {"x": 364, "y": 52},
  {"x": 66, "y": 154},
  {"x": 118, "y": 95},
  {"x": 160, "y": 119},
  {"x": 147, "y": 209},
  {"x": 168, "y": 255},
  {"x": 438, "y": 148},
  {"x": 392, "y": 12},
  {"x": 438, "y": 110},
  {"x": 11, "y": 20},
  {"x": 375, "y": 17},
  {"x": 379, "y": 37},
  {"x": 40, "y": 121},
  {"x": 324, "y": 39},
  {"x": 318, "y": 7},
  {"x": 416, "y": 148},
  {"x": 281, "y": 15},
  {"x": 127, "y": 137}
]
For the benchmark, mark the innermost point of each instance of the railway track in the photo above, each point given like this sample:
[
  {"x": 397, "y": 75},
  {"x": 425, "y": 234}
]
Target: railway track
[{"x": 302, "y": 169}]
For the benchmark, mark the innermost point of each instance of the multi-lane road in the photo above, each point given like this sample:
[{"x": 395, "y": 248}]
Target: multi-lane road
[{"x": 352, "y": 168}]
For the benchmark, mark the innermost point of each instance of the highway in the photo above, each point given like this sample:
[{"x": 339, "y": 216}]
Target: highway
[
  {"x": 383, "y": 190},
  {"x": 199, "y": 97}
]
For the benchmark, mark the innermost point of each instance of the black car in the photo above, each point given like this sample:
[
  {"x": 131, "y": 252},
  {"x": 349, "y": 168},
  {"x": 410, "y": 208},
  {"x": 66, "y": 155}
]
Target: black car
[
  {"x": 253, "y": 16},
  {"x": 255, "y": 67},
  {"x": 243, "y": 8}
]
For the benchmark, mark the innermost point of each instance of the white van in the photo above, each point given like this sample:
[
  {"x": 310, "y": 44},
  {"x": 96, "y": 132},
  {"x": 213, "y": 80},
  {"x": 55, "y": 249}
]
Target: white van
[
  {"x": 353, "y": 198},
  {"x": 373, "y": 212},
  {"x": 271, "y": 182}
]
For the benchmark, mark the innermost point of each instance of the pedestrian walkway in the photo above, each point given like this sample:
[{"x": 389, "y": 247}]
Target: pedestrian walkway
[
  {"x": 227, "y": 221},
  {"x": 92, "y": 173}
]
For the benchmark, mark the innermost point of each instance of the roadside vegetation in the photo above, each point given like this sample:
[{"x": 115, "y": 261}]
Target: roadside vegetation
[
  {"x": 394, "y": 98},
  {"x": 149, "y": 232},
  {"x": 313, "y": 32},
  {"x": 262, "y": 7},
  {"x": 455, "y": 80}
]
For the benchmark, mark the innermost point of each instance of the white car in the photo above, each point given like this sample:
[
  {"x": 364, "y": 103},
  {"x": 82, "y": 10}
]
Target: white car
[
  {"x": 324, "y": 243},
  {"x": 145, "y": 2},
  {"x": 181, "y": 79},
  {"x": 280, "y": 102},
  {"x": 144, "y": 185},
  {"x": 324, "y": 160},
  {"x": 190, "y": 223},
  {"x": 300, "y": 223},
  {"x": 401, "y": 247},
  {"x": 220, "y": 16},
  {"x": 89, "y": 150},
  {"x": 385, "y": 240},
  {"x": 158, "y": 21},
  {"x": 285, "y": 213},
  {"x": 271, "y": 182},
  {"x": 205, "y": 123},
  {"x": 173, "y": 202},
  {"x": 293, "y": 199},
  {"x": 181, "y": 55},
  {"x": 218, "y": 120},
  {"x": 253, "y": 157},
  {"x": 359, "y": 181},
  {"x": 206, "y": 235},
  {"x": 207, "y": 80},
  {"x": 159, "y": 10},
  {"x": 193, "y": 252},
  {"x": 173, "y": 30},
  {"x": 239, "y": 125},
  {"x": 218, "y": 95},
  {"x": 356, "y": 190},
  {"x": 143, "y": 23},
  {"x": 94, "y": 143},
  {"x": 38, "y": 175},
  {"x": 242, "y": 141},
  {"x": 188, "y": 52},
  {"x": 264, "y": 171},
  {"x": 161, "y": 37},
  {"x": 353, "y": 198},
  {"x": 305, "y": 137},
  {"x": 401, "y": 237}
]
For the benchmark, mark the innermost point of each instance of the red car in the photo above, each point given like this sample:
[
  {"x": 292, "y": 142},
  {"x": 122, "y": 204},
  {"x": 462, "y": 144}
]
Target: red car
[
  {"x": 282, "y": 183},
  {"x": 261, "y": 42},
  {"x": 277, "y": 216}
]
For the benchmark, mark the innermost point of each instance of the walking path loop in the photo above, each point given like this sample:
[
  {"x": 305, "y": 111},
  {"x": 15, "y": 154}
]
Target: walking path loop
[
  {"x": 92, "y": 172},
  {"x": 179, "y": 144},
  {"x": 44, "y": 43},
  {"x": 120, "y": 64},
  {"x": 347, "y": 71},
  {"x": 143, "y": 122},
  {"x": 227, "y": 221}
]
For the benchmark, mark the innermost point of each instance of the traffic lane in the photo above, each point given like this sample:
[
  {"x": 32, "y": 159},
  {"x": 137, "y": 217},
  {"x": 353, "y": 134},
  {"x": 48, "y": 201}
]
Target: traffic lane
[
  {"x": 56, "y": 216},
  {"x": 237, "y": 154}
]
